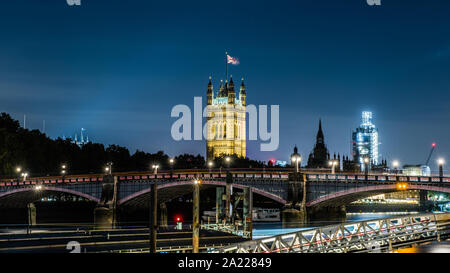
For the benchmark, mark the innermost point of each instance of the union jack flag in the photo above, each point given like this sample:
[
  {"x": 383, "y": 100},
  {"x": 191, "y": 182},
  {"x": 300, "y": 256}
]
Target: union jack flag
[{"x": 232, "y": 60}]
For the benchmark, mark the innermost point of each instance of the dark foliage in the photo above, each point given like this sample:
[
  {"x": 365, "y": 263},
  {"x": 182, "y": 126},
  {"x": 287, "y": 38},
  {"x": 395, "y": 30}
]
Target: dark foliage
[{"x": 39, "y": 155}]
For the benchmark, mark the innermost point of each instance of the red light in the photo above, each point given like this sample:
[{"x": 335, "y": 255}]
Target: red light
[
  {"x": 272, "y": 160},
  {"x": 433, "y": 144},
  {"x": 178, "y": 219}
]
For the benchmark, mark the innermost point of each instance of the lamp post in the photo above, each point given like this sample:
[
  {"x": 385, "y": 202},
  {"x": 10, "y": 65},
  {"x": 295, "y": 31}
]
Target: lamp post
[
  {"x": 171, "y": 162},
  {"x": 210, "y": 165},
  {"x": 441, "y": 163},
  {"x": 395, "y": 164},
  {"x": 332, "y": 164},
  {"x": 63, "y": 170},
  {"x": 155, "y": 168},
  {"x": 297, "y": 159},
  {"x": 18, "y": 170},
  {"x": 24, "y": 175},
  {"x": 108, "y": 168},
  {"x": 196, "y": 215},
  {"x": 366, "y": 166},
  {"x": 228, "y": 161}
]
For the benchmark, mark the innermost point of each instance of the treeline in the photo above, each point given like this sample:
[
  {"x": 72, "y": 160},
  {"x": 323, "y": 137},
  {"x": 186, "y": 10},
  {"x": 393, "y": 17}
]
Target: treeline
[{"x": 39, "y": 155}]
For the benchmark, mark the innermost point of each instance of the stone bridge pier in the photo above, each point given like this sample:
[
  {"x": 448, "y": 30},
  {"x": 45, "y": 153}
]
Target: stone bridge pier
[
  {"x": 105, "y": 215},
  {"x": 296, "y": 213}
]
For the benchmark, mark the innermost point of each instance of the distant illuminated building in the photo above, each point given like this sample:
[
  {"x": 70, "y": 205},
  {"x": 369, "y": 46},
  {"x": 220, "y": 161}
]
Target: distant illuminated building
[
  {"x": 365, "y": 141},
  {"x": 84, "y": 138},
  {"x": 319, "y": 156},
  {"x": 416, "y": 170},
  {"x": 226, "y": 121}
]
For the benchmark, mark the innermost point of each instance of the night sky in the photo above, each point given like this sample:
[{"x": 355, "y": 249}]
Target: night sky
[{"x": 118, "y": 67}]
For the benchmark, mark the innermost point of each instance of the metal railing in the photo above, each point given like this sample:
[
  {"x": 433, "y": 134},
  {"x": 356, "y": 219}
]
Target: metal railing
[
  {"x": 227, "y": 228},
  {"x": 363, "y": 236}
]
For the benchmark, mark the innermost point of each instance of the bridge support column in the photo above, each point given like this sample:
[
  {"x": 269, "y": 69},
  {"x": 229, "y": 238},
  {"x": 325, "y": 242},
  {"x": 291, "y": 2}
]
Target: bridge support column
[
  {"x": 105, "y": 212},
  {"x": 424, "y": 205},
  {"x": 228, "y": 192},
  {"x": 219, "y": 204},
  {"x": 295, "y": 214},
  {"x": 31, "y": 212},
  {"x": 153, "y": 225},
  {"x": 196, "y": 218},
  {"x": 248, "y": 211},
  {"x": 163, "y": 215}
]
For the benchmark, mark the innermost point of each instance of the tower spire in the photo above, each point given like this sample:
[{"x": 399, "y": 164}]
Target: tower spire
[
  {"x": 242, "y": 94},
  {"x": 209, "y": 92},
  {"x": 320, "y": 137}
]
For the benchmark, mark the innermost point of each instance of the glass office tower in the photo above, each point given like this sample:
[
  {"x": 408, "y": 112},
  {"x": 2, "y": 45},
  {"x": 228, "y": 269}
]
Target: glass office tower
[{"x": 365, "y": 141}]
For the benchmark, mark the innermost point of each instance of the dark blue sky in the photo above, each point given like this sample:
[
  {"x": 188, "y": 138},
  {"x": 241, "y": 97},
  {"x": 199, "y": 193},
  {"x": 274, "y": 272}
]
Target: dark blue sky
[{"x": 118, "y": 67}]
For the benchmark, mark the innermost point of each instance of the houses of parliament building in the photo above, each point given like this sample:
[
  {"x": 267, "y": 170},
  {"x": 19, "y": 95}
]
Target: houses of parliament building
[{"x": 226, "y": 120}]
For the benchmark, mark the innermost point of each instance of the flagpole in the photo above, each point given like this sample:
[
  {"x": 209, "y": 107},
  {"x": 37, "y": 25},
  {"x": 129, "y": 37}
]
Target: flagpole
[{"x": 226, "y": 66}]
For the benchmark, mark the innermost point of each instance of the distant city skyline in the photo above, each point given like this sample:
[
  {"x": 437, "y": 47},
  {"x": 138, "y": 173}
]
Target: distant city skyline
[{"x": 117, "y": 70}]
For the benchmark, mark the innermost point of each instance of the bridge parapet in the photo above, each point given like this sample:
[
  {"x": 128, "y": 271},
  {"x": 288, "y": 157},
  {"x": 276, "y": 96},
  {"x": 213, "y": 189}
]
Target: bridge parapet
[{"x": 374, "y": 178}]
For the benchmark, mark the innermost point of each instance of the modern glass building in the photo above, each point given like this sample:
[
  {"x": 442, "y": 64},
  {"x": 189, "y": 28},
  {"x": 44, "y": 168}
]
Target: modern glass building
[{"x": 365, "y": 141}]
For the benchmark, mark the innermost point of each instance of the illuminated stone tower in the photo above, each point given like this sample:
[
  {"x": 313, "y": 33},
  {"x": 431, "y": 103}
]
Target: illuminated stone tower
[{"x": 225, "y": 116}]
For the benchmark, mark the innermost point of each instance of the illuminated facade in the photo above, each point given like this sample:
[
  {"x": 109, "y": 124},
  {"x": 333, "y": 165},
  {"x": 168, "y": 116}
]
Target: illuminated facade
[
  {"x": 365, "y": 142},
  {"x": 226, "y": 121}
]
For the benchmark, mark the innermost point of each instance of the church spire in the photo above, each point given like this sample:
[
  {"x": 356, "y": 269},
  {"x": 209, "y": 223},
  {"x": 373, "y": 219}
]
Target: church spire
[{"x": 320, "y": 137}]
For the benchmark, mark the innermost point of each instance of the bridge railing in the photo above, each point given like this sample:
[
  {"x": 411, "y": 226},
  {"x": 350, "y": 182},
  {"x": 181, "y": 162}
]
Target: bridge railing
[
  {"x": 228, "y": 228},
  {"x": 373, "y": 235},
  {"x": 378, "y": 178},
  {"x": 222, "y": 175}
]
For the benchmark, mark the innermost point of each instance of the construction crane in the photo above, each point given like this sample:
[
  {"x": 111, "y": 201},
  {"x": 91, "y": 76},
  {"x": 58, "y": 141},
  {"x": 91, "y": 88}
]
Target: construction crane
[{"x": 433, "y": 145}]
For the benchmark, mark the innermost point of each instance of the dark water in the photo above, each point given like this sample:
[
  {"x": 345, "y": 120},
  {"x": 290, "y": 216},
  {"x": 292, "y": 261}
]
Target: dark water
[{"x": 266, "y": 229}]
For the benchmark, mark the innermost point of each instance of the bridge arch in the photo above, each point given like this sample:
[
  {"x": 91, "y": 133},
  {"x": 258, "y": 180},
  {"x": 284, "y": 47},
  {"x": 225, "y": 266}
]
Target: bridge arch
[
  {"x": 31, "y": 193},
  {"x": 348, "y": 196},
  {"x": 188, "y": 184}
]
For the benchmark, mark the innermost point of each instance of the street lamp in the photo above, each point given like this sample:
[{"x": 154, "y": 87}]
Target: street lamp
[
  {"x": 63, "y": 170},
  {"x": 108, "y": 168},
  {"x": 24, "y": 175},
  {"x": 155, "y": 167},
  {"x": 441, "y": 163},
  {"x": 210, "y": 164},
  {"x": 333, "y": 164},
  {"x": 297, "y": 159},
  {"x": 366, "y": 165},
  {"x": 171, "y": 161},
  {"x": 395, "y": 164},
  {"x": 18, "y": 170},
  {"x": 228, "y": 161}
]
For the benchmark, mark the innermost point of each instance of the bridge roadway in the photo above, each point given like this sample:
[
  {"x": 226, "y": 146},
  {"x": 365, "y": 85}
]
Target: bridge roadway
[
  {"x": 302, "y": 194},
  {"x": 322, "y": 188},
  {"x": 107, "y": 240}
]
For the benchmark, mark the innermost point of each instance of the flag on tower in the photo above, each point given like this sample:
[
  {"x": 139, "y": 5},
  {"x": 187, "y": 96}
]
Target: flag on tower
[{"x": 232, "y": 60}]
